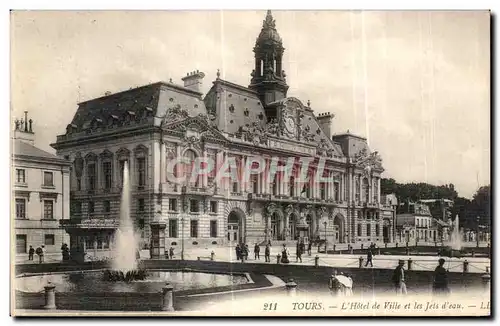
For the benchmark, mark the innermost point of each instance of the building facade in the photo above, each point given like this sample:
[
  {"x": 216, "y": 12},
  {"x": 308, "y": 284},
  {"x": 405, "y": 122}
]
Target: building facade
[
  {"x": 418, "y": 225},
  {"x": 40, "y": 183},
  {"x": 255, "y": 127}
]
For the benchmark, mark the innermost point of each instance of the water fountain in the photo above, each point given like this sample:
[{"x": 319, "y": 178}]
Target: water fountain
[
  {"x": 456, "y": 236},
  {"x": 455, "y": 244},
  {"x": 124, "y": 264}
]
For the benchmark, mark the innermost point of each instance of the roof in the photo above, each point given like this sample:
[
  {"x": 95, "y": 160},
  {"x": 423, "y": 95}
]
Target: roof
[
  {"x": 24, "y": 149},
  {"x": 157, "y": 97}
]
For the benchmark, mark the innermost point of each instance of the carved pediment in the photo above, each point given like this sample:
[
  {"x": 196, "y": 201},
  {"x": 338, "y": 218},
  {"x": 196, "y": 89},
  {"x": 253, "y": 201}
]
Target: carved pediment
[
  {"x": 254, "y": 132},
  {"x": 123, "y": 152},
  {"x": 324, "y": 148},
  {"x": 106, "y": 154},
  {"x": 174, "y": 114},
  {"x": 90, "y": 157},
  {"x": 367, "y": 160}
]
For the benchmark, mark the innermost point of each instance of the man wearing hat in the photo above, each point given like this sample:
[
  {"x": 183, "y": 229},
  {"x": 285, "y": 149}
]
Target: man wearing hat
[
  {"x": 440, "y": 285},
  {"x": 398, "y": 278}
]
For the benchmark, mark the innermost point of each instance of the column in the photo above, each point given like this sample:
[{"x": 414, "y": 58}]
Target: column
[
  {"x": 370, "y": 190},
  {"x": 204, "y": 177},
  {"x": 378, "y": 190},
  {"x": 163, "y": 163},
  {"x": 350, "y": 186},
  {"x": 177, "y": 167}
]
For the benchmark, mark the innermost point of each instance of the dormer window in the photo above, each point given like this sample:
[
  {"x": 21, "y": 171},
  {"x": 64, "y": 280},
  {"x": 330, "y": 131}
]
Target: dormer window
[
  {"x": 231, "y": 108},
  {"x": 246, "y": 112}
]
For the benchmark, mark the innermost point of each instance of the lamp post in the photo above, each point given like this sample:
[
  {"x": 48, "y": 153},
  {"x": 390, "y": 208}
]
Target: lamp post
[{"x": 477, "y": 231}]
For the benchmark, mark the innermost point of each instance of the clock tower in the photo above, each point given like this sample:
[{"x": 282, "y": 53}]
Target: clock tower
[{"x": 268, "y": 77}]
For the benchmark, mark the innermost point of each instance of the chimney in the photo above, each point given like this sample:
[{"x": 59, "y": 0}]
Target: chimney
[
  {"x": 194, "y": 80},
  {"x": 325, "y": 122},
  {"x": 23, "y": 129}
]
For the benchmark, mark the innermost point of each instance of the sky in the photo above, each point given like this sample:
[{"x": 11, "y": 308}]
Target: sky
[{"x": 416, "y": 84}]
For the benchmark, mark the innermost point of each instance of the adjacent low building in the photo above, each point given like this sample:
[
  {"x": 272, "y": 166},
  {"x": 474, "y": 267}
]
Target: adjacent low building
[
  {"x": 417, "y": 225},
  {"x": 41, "y": 190}
]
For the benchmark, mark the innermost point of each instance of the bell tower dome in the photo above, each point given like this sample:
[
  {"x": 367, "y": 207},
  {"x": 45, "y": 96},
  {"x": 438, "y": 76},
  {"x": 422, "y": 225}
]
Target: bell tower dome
[{"x": 268, "y": 77}]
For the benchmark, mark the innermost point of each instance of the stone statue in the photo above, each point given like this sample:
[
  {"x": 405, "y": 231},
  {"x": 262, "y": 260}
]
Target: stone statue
[
  {"x": 17, "y": 123},
  {"x": 31, "y": 123}
]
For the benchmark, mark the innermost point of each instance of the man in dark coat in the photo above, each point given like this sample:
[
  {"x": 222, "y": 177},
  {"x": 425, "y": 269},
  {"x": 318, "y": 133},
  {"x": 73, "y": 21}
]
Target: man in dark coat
[
  {"x": 31, "y": 253},
  {"x": 267, "y": 253},
  {"x": 238, "y": 252},
  {"x": 369, "y": 258},
  {"x": 256, "y": 251},
  {"x": 440, "y": 285},
  {"x": 398, "y": 278}
]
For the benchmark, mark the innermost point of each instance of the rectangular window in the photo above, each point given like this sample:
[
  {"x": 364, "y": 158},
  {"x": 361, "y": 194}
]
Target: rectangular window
[
  {"x": 213, "y": 229},
  {"x": 107, "y": 206},
  {"x": 91, "y": 176},
  {"x": 76, "y": 208},
  {"x": 255, "y": 188},
  {"x": 122, "y": 167},
  {"x": 359, "y": 230},
  {"x": 141, "y": 206},
  {"x": 235, "y": 187},
  {"x": 20, "y": 208},
  {"x": 322, "y": 190},
  {"x": 377, "y": 230},
  {"x": 213, "y": 206},
  {"x": 172, "y": 228},
  {"x": 48, "y": 179},
  {"x": 193, "y": 206},
  {"x": 48, "y": 209},
  {"x": 89, "y": 242},
  {"x": 91, "y": 207},
  {"x": 336, "y": 187},
  {"x": 141, "y": 170},
  {"x": 108, "y": 175},
  {"x": 369, "y": 230},
  {"x": 21, "y": 243},
  {"x": 20, "y": 176},
  {"x": 49, "y": 240},
  {"x": 172, "y": 204},
  {"x": 194, "y": 228},
  {"x": 78, "y": 184}
]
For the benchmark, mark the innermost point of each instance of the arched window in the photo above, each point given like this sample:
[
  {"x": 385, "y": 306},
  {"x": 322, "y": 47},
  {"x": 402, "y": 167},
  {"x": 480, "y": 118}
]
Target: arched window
[{"x": 189, "y": 168}]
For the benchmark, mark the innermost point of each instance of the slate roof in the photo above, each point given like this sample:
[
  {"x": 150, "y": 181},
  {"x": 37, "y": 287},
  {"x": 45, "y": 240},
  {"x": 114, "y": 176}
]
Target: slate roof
[
  {"x": 157, "y": 97},
  {"x": 21, "y": 148}
]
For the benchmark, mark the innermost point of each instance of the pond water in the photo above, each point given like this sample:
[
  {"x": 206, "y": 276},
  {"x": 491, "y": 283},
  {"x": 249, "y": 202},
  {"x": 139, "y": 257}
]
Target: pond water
[{"x": 94, "y": 281}]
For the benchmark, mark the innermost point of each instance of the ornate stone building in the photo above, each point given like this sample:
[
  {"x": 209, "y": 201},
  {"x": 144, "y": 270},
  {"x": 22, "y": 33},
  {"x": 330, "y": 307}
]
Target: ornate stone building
[{"x": 152, "y": 125}]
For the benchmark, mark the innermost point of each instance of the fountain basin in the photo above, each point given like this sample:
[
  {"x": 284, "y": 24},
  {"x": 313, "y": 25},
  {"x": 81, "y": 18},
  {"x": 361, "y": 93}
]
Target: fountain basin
[
  {"x": 97, "y": 282},
  {"x": 450, "y": 252}
]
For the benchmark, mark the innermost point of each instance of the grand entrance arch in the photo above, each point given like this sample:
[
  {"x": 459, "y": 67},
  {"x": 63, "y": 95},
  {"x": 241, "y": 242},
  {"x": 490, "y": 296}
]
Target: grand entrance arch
[
  {"x": 293, "y": 219},
  {"x": 235, "y": 227},
  {"x": 338, "y": 229}
]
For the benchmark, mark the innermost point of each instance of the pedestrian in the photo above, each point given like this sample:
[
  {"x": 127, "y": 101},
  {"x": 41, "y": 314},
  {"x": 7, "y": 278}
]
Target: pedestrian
[
  {"x": 284, "y": 255},
  {"x": 256, "y": 251},
  {"x": 245, "y": 251},
  {"x": 398, "y": 278},
  {"x": 31, "y": 252},
  {"x": 369, "y": 258},
  {"x": 440, "y": 285},
  {"x": 309, "y": 247},
  {"x": 40, "y": 251},
  {"x": 269, "y": 242},
  {"x": 171, "y": 252},
  {"x": 302, "y": 248},
  {"x": 297, "y": 252},
  {"x": 267, "y": 253},
  {"x": 238, "y": 252}
]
